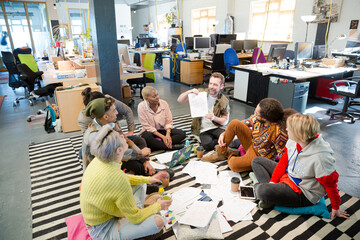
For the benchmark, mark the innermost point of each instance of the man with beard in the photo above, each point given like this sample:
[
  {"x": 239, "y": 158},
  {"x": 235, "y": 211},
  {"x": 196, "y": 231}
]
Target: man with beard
[
  {"x": 263, "y": 134},
  {"x": 210, "y": 127}
]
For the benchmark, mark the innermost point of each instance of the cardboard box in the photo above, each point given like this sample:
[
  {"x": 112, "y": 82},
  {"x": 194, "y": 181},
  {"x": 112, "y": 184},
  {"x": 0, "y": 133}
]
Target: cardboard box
[{"x": 126, "y": 91}]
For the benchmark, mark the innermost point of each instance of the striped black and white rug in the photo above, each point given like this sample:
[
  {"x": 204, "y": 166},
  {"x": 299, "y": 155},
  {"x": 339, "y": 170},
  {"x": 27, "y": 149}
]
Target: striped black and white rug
[{"x": 56, "y": 174}]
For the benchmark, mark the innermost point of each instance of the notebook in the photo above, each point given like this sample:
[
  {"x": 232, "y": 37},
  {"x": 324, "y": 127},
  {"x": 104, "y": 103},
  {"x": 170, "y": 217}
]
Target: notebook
[{"x": 180, "y": 156}]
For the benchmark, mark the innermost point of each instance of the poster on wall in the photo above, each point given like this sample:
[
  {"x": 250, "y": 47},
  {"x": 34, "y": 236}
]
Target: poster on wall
[
  {"x": 321, "y": 8},
  {"x": 354, "y": 24}
]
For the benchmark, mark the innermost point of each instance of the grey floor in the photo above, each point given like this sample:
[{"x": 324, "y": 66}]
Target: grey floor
[{"x": 16, "y": 134}]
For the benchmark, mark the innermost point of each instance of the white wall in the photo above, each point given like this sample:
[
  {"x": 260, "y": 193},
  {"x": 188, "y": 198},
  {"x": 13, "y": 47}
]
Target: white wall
[{"x": 123, "y": 18}]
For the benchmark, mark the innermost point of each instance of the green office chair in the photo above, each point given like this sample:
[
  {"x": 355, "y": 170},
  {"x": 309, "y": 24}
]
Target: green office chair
[
  {"x": 29, "y": 61},
  {"x": 148, "y": 78},
  {"x": 149, "y": 64}
]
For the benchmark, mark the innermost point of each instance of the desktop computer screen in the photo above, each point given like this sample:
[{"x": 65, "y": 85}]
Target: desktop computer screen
[
  {"x": 124, "y": 41},
  {"x": 237, "y": 45},
  {"x": 201, "y": 43},
  {"x": 319, "y": 52},
  {"x": 277, "y": 50},
  {"x": 303, "y": 50},
  {"x": 123, "y": 53},
  {"x": 250, "y": 44},
  {"x": 189, "y": 41},
  {"x": 226, "y": 38},
  {"x": 144, "y": 41},
  {"x": 174, "y": 37}
]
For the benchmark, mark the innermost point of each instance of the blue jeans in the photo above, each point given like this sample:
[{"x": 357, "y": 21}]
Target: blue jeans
[{"x": 110, "y": 229}]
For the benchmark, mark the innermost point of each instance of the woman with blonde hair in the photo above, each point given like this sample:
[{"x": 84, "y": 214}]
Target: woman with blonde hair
[
  {"x": 112, "y": 202},
  {"x": 305, "y": 172}
]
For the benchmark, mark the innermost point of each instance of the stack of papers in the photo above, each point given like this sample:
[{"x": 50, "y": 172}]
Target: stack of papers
[
  {"x": 237, "y": 209},
  {"x": 204, "y": 172},
  {"x": 199, "y": 214}
]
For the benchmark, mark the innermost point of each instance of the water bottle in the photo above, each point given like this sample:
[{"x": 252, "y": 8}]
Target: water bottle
[{"x": 187, "y": 143}]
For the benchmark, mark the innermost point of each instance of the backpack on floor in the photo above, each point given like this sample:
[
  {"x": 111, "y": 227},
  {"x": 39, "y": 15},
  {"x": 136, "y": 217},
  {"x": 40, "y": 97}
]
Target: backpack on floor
[{"x": 50, "y": 119}]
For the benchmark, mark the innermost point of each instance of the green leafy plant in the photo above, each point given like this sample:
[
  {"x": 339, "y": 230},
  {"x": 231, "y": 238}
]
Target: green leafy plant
[{"x": 171, "y": 16}]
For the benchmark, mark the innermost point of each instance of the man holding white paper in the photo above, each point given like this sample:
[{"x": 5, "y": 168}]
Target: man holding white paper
[{"x": 209, "y": 126}]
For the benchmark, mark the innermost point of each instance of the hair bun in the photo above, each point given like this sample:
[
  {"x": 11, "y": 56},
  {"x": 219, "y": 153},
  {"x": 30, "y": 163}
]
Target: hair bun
[{"x": 86, "y": 91}]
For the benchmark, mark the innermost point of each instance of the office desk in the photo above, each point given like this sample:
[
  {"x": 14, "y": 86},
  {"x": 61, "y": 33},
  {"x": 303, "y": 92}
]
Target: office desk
[
  {"x": 50, "y": 77},
  {"x": 252, "y": 81},
  {"x": 148, "y": 50},
  {"x": 70, "y": 103}
]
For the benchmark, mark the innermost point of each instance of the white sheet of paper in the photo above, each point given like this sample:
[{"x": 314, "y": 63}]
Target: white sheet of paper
[
  {"x": 199, "y": 214},
  {"x": 198, "y": 104},
  {"x": 164, "y": 157},
  {"x": 224, "y": 225},
  {"x": 157, "y": 165},
  {"x": 237, "y": 209}
]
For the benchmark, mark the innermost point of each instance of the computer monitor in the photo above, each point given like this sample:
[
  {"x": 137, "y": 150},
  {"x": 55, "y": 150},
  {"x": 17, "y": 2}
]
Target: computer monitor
[
  {"x": 303, "y": 50},
  {"x": 214, "y": 39},
  {"x": 250, "y": 44},
  {"x": 189, "y": 41},
  {"x": 174, "y": 37},
  {"x": 124, "y": 41},
  {"x": 152, "y": 41},
  {"x": 123, "y": 53},
  {"x": 237, "y": 45},
  {"x": 226, "y": 38},
  {"x": 277, "y": 51},
  {"x": 144, "y": 41},
  {"x": 319, "y": 52},
  {"x": 202, "y": 43}
]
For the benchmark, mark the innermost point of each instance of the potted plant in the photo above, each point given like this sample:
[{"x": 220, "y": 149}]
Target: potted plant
[{"x": 171, "y": 17}]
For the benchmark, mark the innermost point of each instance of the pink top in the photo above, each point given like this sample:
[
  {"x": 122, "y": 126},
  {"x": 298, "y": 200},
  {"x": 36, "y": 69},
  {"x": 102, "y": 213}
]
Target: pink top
[{"x": 152, "y": 121}]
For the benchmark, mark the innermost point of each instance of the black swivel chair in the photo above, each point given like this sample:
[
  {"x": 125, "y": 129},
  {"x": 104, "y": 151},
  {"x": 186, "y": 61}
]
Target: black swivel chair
[
  {"x": 29, "y": 77},
  {"x": 18, "y": 51},
  {"x": 350, "y": 89},
  {"x": 9, "y": 62},
  {"x": 217, "y": 64}
]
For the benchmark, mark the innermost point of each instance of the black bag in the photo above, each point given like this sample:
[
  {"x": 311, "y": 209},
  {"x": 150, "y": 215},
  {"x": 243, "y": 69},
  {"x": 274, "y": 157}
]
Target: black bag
[{"x": 47, "y": 90}]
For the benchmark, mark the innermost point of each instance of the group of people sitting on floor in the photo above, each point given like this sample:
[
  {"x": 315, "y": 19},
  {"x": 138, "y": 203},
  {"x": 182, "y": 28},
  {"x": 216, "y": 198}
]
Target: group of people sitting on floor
[{"x": 292, "y": 164}]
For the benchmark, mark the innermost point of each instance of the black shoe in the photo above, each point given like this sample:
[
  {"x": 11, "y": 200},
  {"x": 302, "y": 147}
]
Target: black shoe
[
  {"x": 151, "y": 188},
  {"x": 177, "y": 146}
]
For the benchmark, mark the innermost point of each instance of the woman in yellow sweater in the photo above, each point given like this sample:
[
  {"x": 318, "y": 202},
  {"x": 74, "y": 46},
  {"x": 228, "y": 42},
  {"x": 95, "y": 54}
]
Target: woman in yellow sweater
[{"x": 112, "y": 201}]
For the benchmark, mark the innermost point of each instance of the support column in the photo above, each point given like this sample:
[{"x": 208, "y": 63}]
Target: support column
[{"x": 103, "y": 31}]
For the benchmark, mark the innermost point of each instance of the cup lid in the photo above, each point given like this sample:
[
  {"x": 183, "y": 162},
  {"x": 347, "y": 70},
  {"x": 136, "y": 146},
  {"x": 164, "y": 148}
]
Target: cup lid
[{"x": 235, "y": 180}]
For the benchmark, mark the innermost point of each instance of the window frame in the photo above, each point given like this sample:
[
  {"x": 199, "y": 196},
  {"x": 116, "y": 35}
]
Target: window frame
[
  {"x": 210, "y": 28},
  {"x": 259, "y": 36}
]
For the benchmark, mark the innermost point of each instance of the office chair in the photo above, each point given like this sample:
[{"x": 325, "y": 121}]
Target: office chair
[
  {"x": 289, "y": 54},
  {"x": 261, "y": 58},
  {"x": 148, "y": 77},
  {"x": 9, "y": 62},
  {"x": 179, "y": 48},
  {"x": 230, "y": 59},
  {"x": 29, "y": 60},
  {"x": 217, "y": 64},
  {"x": 18, "y": 51},
  {"x": 350, "y": 91}
]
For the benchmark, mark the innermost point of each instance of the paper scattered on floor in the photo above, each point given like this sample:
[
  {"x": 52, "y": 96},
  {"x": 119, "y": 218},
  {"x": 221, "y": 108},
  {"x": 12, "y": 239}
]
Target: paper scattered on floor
[
  {"x": 199, "y": 214},
  {"x": 164, "y": 157},
  {"x": 204, "y": 172},
  {"x": 157, "y": 165}
]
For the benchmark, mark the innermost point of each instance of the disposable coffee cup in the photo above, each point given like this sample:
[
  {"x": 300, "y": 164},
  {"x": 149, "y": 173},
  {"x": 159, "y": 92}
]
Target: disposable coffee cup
[
  {"x": 200, "y": 152},
  {"x": 235, "y": 182},
  {"x": 165, "y": 182},
  {"x": 166, "y": 197}
]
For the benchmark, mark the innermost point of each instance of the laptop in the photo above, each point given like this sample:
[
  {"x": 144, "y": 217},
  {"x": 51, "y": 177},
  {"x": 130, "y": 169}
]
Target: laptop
[{"x": 180, "y": 156}]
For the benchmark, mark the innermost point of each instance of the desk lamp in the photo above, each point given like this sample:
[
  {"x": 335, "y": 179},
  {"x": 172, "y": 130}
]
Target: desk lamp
[
  {"x": 308, "y": 19},
  {"x": 340, "y": 37}
]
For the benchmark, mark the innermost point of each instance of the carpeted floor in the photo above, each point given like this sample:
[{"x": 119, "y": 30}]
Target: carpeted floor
[{"x": 56, "y": 175}]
